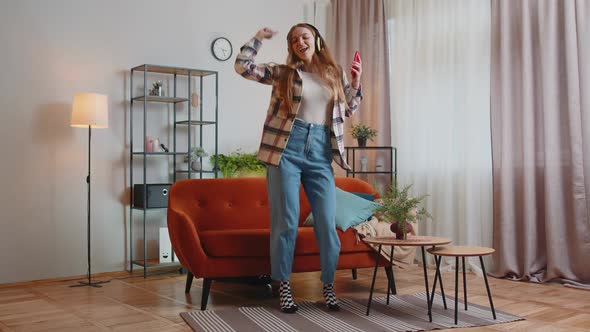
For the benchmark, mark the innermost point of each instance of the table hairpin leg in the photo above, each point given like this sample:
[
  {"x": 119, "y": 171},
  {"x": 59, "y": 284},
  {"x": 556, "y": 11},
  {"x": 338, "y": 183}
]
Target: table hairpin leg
[
  {"x": 386, "y": 268},
  {"x": 389, "y": 273},
  {"x": 442, "y": 288},
  {"x": 464, "y": 282},
  {"x": 438, "y": 277},
  {"x": 456, "y": 286},
  {"x": 485, "y": 278},
  {"x": 426, "y": 284},
  {"x": 393, "y": 288},
  {"x": 390, "y": 276},
  {"x": 373, "y": 282}
]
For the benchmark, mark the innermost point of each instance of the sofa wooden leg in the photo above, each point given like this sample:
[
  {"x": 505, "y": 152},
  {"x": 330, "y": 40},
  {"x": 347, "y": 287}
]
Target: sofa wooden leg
[
  {"x": 189, "y": 282},
  {"x": 206, "y": 288},
  {"x": 353, "y": 274}
]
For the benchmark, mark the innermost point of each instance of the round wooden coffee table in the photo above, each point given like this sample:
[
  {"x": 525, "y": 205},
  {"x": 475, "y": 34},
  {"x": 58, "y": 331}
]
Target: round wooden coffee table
[
  {"x": 411, "y": 241},
  {"x": 463, "y": 251}
]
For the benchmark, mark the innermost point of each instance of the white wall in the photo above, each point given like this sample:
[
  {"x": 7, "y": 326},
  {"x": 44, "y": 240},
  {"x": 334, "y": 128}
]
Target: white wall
[{"x": 49, "y": 50}]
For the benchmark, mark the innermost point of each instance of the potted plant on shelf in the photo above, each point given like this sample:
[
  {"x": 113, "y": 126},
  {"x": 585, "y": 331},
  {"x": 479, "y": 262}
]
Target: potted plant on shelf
[
  {"x": 362, "y": 132},
  {"x": 239, "y": 164},
  {"x": 401, "y": 209},
  {"x": 196, "y": 154}
]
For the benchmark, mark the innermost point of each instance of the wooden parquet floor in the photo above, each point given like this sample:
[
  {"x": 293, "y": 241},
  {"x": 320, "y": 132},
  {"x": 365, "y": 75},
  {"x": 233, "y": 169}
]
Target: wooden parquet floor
[{"x": 132, "y": 303}]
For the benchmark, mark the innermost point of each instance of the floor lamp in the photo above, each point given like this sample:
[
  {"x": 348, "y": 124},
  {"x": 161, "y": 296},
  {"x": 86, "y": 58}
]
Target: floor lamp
[{"x": 90, "y": 110}]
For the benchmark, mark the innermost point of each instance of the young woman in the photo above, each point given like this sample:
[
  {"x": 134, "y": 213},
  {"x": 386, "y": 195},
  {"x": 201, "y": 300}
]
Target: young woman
[{"x": 302, "y": 134}]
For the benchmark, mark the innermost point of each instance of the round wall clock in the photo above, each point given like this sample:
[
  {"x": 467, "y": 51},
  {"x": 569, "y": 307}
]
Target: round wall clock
[{"x": 221, "y": 48}]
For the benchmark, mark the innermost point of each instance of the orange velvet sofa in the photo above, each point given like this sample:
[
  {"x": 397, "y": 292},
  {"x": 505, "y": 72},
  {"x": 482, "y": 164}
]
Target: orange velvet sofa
[{"x": 219, "y": 228}]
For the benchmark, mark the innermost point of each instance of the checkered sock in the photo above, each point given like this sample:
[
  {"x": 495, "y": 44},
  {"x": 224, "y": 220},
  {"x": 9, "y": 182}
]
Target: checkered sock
[
  {"x": 330, "y": 297},
  {"x": 287, "y": 304}
]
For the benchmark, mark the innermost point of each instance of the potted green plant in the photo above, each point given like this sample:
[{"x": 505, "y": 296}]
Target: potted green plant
[
  {"x": 239, "y": 164},
  {"x": 196, "y": 154},
  {"x": 401, "y": 209},
  {"x": 362, "y": 132}
]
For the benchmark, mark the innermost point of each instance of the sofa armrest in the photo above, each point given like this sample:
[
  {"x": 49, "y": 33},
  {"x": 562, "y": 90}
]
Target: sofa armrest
[{"x": 186, "y": 243}]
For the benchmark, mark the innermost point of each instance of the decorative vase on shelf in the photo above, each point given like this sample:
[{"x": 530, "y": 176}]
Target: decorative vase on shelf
[
  {"x": 194, "y": 95},
  {"x": 149, "y": 144},
  {"x": 157, "y": 89},
  {"x": 195, "y": 99},
  {"x": 364, "y": 161},
  {"x": 156, "y": 145},
  {"x": 196, "y": 165},
  {"x": 397, "y": 229},
  {"x": 362, "y": 142}
]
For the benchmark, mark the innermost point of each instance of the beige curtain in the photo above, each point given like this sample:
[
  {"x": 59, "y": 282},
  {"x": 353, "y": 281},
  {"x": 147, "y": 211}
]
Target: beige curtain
[
  {"x": 360, "y": 25},
  {"x": 540, "y": 119}
]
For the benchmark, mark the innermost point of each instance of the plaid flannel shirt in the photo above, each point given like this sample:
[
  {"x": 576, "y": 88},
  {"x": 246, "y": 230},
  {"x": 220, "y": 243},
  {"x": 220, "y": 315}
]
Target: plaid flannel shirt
[{"x": 279, "y": 120}]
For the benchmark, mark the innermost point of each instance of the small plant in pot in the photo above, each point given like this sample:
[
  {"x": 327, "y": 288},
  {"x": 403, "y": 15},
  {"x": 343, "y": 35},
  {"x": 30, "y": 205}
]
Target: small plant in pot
[
  {"x": 362, "y": 132},
  {"x": 196, "y": 154},
  {"x": 401, "y": 209}
]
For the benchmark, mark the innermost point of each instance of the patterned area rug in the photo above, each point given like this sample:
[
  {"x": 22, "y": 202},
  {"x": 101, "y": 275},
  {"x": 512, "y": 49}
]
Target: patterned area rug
[{"x": 404, "y": 313}]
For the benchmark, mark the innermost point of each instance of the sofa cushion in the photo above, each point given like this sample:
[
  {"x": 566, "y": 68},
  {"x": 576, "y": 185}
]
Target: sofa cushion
[
  {"x": 351, "y": 209},
  {"x": 256, "y": 242},
  {"x": 370, "y": 197}
]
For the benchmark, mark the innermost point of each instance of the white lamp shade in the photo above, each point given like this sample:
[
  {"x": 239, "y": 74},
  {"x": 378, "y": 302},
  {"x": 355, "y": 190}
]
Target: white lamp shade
[{"x": 90, "y": 109}]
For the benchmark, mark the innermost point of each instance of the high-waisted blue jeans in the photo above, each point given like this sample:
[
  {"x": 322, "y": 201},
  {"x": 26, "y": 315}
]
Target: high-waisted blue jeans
[{"x": 307, "y": 159}]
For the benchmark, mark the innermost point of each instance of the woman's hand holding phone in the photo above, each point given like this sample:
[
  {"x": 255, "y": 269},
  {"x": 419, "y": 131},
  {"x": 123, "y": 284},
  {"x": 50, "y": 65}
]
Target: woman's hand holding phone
[{"x": 356, "y": 70}]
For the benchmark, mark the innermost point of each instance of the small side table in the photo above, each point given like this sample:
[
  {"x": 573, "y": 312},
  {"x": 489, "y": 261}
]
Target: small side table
[
  {"x": 463, "y": 251},
  {"x": 411, "y": 241}
]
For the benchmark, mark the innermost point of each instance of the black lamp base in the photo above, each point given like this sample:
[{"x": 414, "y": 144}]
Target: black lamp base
[{"x": 95, "y": 284}]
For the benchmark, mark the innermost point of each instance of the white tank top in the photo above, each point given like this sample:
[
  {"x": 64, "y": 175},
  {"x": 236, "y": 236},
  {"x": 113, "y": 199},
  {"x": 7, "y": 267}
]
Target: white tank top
[{"x": 316, "y": 100}]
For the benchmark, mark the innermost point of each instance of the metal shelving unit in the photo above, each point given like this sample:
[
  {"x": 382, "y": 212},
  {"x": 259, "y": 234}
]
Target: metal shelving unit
[
  {"x": 354, "y": 151},
  {"x": 178, "y": 74}
]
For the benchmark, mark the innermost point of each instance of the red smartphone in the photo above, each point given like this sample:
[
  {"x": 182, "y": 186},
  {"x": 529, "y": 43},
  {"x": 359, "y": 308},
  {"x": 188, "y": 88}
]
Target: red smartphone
[{"x": 357, "y": 58}]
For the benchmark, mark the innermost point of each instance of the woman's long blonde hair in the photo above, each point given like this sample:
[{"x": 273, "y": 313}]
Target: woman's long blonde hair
[{"x": 322, "y": 63}]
